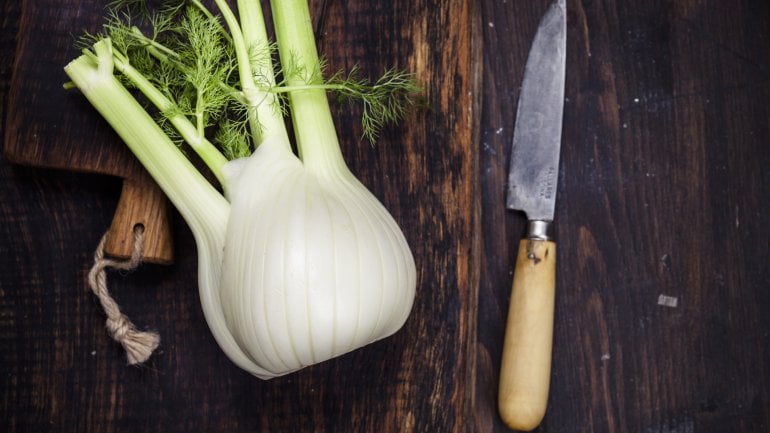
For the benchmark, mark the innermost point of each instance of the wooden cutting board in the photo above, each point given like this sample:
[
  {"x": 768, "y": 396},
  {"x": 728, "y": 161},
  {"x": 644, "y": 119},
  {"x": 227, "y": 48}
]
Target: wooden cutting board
[{"x": 72, "y": 136}]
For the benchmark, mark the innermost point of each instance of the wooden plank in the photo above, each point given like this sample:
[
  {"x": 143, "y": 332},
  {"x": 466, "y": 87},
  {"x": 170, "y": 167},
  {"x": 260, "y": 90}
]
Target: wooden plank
[
  {"x": 46, "y": 126},
  {"x": 663, "y": 191},
  {"x": 63, "y": 374},
  {"x": 662, "y": 184}
]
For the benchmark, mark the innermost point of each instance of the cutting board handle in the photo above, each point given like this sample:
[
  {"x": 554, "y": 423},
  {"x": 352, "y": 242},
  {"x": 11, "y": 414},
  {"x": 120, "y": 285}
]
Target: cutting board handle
[{"x": 141, "y": 203}]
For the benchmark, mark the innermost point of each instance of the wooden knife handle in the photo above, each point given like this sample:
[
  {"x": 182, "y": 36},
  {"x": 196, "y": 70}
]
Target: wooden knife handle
[
  {"x": 525, "y": 370},
  {"x": 141, "y": 203}
]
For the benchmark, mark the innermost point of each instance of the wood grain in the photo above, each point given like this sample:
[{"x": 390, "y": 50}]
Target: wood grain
[
  {"x": 663, "y": 190},
  {"x": 50, "y": 128},
  {"x": 63, "y": 373}
]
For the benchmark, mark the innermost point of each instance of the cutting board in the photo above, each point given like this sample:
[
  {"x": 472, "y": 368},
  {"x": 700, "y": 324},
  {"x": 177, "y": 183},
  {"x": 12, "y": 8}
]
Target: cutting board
[{"x": 72, "y": 136}]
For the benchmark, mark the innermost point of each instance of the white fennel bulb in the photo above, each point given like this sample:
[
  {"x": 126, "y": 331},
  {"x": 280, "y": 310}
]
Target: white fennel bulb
[{"x": 314, "y": 266}]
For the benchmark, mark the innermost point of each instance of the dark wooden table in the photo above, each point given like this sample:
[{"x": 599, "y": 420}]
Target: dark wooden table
[{"x": 663, "y": 196}]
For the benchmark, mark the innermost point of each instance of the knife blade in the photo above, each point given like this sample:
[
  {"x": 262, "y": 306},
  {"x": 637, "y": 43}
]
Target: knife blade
[{"x": 526, "y": 361}]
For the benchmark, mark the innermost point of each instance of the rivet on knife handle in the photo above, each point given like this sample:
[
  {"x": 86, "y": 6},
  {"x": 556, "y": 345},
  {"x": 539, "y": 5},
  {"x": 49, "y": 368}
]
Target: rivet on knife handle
[{"x": 526, "y": 363}]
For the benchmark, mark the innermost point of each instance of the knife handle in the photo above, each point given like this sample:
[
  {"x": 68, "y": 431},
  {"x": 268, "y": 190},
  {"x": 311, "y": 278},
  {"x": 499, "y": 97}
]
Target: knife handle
[{"x": 525, "y": 370}]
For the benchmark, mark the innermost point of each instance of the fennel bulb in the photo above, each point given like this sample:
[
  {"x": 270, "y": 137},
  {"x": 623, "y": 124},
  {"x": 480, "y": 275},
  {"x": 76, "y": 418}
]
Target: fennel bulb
[
  {"x": 325, "y": 271},
  {"x": 298, "y": 261}
]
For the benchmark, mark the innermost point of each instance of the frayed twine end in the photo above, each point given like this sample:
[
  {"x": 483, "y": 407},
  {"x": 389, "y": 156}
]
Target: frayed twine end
[{"x": 139, "y": 345}]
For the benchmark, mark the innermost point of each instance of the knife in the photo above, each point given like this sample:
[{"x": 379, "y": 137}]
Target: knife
[{"x": 526, "y": 362}]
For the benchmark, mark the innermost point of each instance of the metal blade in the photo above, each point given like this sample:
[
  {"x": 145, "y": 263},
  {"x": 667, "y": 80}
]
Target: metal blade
[{"x": 537, "y": 137}]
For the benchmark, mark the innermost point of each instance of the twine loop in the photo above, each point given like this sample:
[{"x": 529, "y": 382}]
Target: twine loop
[{"x": 139, "y": 345}]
